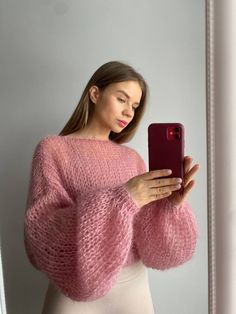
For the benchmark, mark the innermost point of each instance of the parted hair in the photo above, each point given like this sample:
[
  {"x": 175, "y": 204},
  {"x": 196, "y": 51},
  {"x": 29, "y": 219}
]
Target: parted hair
[{"x": 108, "y": 73}]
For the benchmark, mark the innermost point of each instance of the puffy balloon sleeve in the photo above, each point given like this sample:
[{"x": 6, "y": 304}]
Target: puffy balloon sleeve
[
  {"x": 165, "y": 234},
  {"x": 82, "y": 244}
]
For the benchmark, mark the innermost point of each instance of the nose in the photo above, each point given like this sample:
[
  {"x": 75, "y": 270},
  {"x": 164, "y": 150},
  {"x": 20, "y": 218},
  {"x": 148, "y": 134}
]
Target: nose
[
  {"x": 128, "y": 112},
  {"x": 127, "y": 116}
]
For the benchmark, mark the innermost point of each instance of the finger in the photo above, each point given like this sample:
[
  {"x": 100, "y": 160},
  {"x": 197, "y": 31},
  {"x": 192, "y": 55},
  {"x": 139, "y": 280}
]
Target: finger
[
  {"x": 191, "y": 173},
  {"x": 188, "y": 188},
  {"x": 165, "y": 194},
  {"x": 156, "y": 174},
  {"x": 156, "y": 197},
  {"x": 164, "y": 189},
  {"x": 162, "y": 182},
  {"x": 187, "y": 163}
]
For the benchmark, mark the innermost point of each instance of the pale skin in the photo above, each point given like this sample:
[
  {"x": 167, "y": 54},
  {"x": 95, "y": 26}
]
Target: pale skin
[
  {"x": 112, "y": 105},
  {"x": 146, "y": 187}
]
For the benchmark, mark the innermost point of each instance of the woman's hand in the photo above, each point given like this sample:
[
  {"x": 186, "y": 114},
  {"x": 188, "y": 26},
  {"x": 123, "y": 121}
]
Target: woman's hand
[
  {"x": 151, "y": 186},
  {"x": 176, "y": 198}
]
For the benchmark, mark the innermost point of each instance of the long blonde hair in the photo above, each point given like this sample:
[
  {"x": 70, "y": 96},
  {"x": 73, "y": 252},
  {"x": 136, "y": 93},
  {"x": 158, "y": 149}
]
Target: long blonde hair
[{"x": 108, "y": 73}]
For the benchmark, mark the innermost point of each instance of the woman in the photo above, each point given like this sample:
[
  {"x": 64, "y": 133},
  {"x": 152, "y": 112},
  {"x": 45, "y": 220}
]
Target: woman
[{"x": 95, "y": 219}]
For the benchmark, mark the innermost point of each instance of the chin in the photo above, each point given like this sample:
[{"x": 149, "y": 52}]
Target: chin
[{"x": 118, "y": 129}]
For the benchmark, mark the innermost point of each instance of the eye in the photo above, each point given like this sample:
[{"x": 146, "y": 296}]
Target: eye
[{"x": 121, "y": 99}]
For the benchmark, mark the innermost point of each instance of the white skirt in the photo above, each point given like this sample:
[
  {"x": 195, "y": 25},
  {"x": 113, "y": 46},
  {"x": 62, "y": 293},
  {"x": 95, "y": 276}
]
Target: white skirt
[{"x": 130, "y": 295}]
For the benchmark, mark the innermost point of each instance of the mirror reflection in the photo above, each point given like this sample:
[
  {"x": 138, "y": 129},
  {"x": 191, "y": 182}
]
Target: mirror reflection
[{"x": 100, "y": 233}]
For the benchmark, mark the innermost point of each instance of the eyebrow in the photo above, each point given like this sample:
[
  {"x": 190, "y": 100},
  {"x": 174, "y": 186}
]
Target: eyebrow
[{"x": 123, "y": 92}]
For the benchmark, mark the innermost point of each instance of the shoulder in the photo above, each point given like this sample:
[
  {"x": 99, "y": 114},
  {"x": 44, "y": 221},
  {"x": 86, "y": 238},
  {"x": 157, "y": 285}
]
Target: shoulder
[
  {"x": 44, "y": 142},
  {"x": 140, "y": 163},
  {"x": 134, "y": 153},
  {"x": 47, "y": 145},
  {"x": 49, "y": 141}
]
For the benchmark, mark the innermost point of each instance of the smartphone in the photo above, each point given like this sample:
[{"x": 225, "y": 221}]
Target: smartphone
[{"x": 166, "y": 149}]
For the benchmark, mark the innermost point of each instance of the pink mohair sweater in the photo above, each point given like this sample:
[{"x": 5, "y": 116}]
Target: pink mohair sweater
[{"x": 81, "y": 225}]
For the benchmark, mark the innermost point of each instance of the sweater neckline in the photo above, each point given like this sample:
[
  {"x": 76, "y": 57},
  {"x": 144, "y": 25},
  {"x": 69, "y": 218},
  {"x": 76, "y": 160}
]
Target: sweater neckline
[{"x": 77, "y": 138}]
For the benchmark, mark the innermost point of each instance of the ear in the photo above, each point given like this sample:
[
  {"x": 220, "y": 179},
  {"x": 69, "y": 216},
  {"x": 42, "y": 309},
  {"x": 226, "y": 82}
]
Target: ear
[{"x": 94, "y": 93}]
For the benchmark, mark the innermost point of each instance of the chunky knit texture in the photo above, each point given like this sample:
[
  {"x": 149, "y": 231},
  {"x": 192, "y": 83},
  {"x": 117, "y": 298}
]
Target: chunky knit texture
[{"x": 81, "y": 224}]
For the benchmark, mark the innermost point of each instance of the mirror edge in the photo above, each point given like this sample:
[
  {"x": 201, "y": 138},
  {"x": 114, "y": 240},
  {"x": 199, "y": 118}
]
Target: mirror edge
[
  {"x": 209, "y": 26},
  {"x": 221, "y": 152},
  {"x": 2, "y": 290}
]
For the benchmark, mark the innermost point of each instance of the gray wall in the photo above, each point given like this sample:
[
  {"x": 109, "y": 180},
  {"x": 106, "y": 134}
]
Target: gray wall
[{"x": 49, "y": 50}]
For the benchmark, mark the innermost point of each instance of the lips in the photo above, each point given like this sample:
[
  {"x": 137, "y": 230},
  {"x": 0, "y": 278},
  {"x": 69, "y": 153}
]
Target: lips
[{"x": 122, "y": 122}]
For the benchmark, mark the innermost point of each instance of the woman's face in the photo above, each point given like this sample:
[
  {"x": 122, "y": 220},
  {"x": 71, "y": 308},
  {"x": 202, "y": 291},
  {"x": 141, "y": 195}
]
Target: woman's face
[{"x": 117, "y": 102}]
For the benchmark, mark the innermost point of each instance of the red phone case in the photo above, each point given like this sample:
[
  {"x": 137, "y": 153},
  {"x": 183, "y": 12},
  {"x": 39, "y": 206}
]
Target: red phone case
[{"x": 166, "y": 149}]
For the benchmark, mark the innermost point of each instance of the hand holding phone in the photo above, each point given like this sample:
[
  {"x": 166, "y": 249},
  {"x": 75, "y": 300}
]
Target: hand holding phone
[{"x": 151, "y": 186}]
